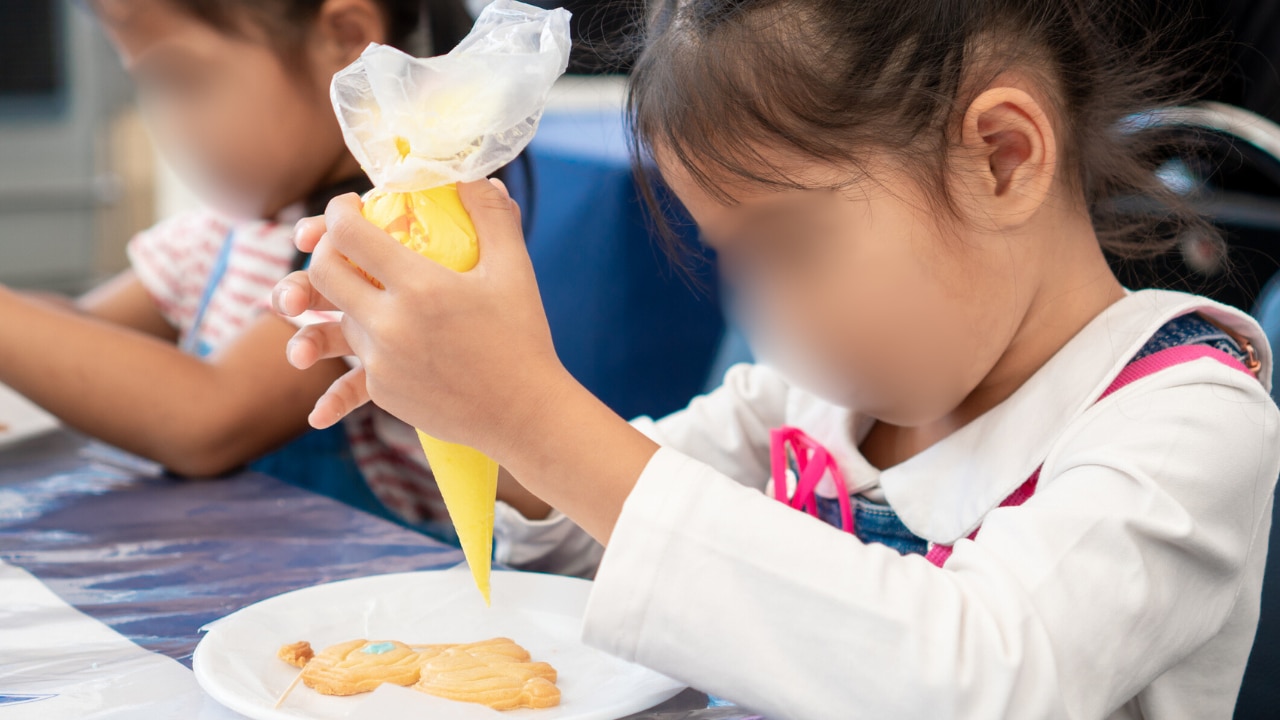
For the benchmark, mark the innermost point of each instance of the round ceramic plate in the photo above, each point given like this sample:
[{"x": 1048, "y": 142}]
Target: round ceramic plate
[{"x": 236, "y": 660}]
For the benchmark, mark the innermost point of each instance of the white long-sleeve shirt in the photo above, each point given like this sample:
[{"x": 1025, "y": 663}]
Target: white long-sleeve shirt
[{"x": 1126, "y": 587}]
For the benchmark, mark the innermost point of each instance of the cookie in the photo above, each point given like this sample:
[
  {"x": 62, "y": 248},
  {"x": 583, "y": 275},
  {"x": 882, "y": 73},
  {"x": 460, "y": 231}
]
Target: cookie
[
  {"x": 360, "y": 666},
  {"x": 296, "y": 654},
  {"x": 497, "y": 673}
]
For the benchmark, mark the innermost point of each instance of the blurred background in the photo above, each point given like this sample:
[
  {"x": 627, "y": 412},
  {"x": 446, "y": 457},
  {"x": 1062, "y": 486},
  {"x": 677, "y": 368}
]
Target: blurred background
[
  {"x": 77, "y": 177},
  {"x": 78, "y": 173}
]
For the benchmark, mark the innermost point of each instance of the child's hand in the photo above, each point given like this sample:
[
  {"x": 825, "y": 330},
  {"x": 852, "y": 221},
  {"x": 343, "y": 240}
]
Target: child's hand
[{"x": 465, "y": 357}]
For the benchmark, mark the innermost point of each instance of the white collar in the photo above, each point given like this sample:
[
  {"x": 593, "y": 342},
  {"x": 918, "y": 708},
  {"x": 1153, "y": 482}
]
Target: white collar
[{"x": 943, "y": 493}]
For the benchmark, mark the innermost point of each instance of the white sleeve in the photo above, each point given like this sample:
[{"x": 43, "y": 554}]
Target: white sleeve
[
  {"x": 727, "y": 429},
  {"x": 1150, "y": 516}
]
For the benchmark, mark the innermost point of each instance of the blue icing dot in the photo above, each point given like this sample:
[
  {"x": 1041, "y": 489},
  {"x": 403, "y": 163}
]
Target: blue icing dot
[{"x": 378, "y": 648}]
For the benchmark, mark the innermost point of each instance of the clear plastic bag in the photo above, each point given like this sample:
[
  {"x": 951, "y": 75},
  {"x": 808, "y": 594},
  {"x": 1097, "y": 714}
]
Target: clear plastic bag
[
  {"x": 416, "y": 124},
  {"x": 418, "y": 127}
]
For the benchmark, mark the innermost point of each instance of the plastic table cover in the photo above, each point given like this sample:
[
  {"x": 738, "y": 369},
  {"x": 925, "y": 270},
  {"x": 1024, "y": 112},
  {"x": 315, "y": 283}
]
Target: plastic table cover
[{"x": 155, "y": 558}]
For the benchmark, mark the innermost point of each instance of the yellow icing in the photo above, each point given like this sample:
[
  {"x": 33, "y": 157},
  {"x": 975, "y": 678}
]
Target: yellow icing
[{"x": 433, "y": 223}]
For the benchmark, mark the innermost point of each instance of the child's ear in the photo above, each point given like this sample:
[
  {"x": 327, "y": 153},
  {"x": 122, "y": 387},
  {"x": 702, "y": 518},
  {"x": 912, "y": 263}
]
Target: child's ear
[
  {"x": 1009, "y": 155},
  {"x": 343, "y": 29}
]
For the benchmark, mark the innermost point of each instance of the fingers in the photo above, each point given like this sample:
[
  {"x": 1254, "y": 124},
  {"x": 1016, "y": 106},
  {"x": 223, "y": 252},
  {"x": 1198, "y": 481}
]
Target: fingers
[
  {"x": 314, "y": 343},
  {"x": 294, "y": 295},
  {"x": 334, "y": 278},
  {"x": 367, "y": 245},
  {"x": 307, "y": 233},
  {"x": 515, "y": 206},
  {"x": 497, "y": 222},
  {"x": 345, "y": 395}
]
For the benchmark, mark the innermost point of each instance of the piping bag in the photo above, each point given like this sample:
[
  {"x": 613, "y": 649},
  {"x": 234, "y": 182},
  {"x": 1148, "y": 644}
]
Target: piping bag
[{"x": 420, "y": 126}]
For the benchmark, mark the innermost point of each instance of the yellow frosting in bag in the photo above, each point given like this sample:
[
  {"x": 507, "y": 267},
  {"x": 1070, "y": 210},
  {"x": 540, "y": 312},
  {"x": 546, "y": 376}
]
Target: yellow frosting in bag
[{"x": 433, "y": 223}]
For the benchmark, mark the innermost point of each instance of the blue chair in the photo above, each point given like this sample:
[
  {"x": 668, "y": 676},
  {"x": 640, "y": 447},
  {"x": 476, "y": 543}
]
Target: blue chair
[{"x": 629, "y": 326}]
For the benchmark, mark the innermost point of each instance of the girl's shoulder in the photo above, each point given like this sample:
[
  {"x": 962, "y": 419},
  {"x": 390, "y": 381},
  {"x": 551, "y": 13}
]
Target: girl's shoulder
[
  {"x": 205, "y": 268},
  {"x": 181, "y": 237},
  {"x": 1148, "y": 322}
]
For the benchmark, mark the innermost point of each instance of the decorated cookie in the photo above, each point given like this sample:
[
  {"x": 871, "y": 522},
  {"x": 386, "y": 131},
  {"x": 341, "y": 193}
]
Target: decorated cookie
[
  {"x": 361, "y": 666},
  {"x": 497, "y": 673}
]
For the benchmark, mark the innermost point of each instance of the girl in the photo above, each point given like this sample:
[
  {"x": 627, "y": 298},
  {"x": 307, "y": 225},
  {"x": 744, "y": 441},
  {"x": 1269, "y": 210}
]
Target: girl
[
  {"x": 176, "y": 359},
  {"x": 1038, "y": 494}
]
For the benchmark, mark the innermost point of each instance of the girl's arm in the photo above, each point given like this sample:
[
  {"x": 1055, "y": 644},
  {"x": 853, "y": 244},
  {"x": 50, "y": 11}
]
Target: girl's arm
[
  {"x": 428, "y": 328},
  {"x": 142, "y": 394},
  {"x": 465, "y": 357},
  {"x": 1137, "y": 562},
  {"x": 123, "y": 300},
  {"x": 727, "y": 429}
]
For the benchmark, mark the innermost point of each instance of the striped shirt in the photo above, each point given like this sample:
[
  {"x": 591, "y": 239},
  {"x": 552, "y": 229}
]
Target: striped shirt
[{"x": 176, "y": 260}]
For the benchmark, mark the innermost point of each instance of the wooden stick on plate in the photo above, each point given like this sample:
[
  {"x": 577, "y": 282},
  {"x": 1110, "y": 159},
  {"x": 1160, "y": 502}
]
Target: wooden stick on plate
[{"x": 289, "y": 689}]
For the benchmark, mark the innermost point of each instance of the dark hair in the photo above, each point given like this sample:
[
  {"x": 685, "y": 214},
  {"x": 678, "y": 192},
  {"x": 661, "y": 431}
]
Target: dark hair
[
  {"x": 422, "y": 27},
  {"x": 716, "y": 80}
]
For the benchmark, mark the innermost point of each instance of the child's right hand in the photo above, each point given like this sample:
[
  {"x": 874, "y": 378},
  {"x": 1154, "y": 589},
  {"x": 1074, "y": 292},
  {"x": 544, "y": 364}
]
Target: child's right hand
[{"x": 465, "y": 357}]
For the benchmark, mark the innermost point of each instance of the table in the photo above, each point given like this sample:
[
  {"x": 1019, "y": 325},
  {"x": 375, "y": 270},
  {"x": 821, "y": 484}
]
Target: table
[{"x": 108, "y": 570}]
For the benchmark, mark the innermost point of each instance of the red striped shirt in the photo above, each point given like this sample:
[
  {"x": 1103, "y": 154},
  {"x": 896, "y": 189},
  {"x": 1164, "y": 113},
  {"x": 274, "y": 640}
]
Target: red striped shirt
[{"x": 174, "y": 261}]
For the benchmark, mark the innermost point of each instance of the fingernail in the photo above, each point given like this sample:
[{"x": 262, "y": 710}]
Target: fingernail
[
  {"x": 320, "y": 419},
  {"x": 282, "y": 296},
  {"x": 290, "y": 353}
]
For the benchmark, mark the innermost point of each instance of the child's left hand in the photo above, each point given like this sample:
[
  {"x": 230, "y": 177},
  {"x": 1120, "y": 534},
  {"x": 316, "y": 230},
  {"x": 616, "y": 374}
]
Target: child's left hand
[{"x": 465, "y": 357}]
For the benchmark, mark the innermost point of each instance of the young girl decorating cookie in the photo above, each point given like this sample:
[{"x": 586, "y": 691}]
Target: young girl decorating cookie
[
  {"x": 178, "y": 358},
  {"x": 972, "y": 477}
]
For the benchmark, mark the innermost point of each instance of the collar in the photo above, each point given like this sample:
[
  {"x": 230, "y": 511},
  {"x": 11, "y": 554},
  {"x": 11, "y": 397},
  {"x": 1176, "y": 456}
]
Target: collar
[{"x": 943, "y": 493}]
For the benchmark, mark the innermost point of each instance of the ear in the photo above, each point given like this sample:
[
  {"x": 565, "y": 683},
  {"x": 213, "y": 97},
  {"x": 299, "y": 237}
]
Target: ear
[
  {"x": 341, "y": 30},
  {"x": 1010, "y": 155}
]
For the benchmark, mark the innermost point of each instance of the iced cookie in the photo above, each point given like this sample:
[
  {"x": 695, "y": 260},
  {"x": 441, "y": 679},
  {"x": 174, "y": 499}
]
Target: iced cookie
[
  {"x": 497, "y": 673},
  {"x": 360, "y": 666}
]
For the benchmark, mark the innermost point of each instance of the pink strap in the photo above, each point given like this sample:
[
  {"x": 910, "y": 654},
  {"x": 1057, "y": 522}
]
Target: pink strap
[
  {"x": 813, "y": 462},
  {"x": 1167, "y": 358},
  {"x": 1136, "y": 370}
]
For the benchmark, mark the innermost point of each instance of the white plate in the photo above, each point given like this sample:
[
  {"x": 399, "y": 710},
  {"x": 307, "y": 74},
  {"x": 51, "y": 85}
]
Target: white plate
[
  {"x": 236, "y": 660},
  {"x": 21, "y": 419}
]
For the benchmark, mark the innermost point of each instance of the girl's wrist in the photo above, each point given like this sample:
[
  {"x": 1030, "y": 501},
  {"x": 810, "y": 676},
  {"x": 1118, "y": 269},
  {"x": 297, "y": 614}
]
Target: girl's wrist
[
  {"x": 578, "y": 455},
  {"x": 526, "y": 423}
]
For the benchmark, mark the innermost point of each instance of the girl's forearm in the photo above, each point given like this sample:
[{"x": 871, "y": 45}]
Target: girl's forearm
[
  {"x": 129, "y": 389},
  {"x": 579, "y": 456}
]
